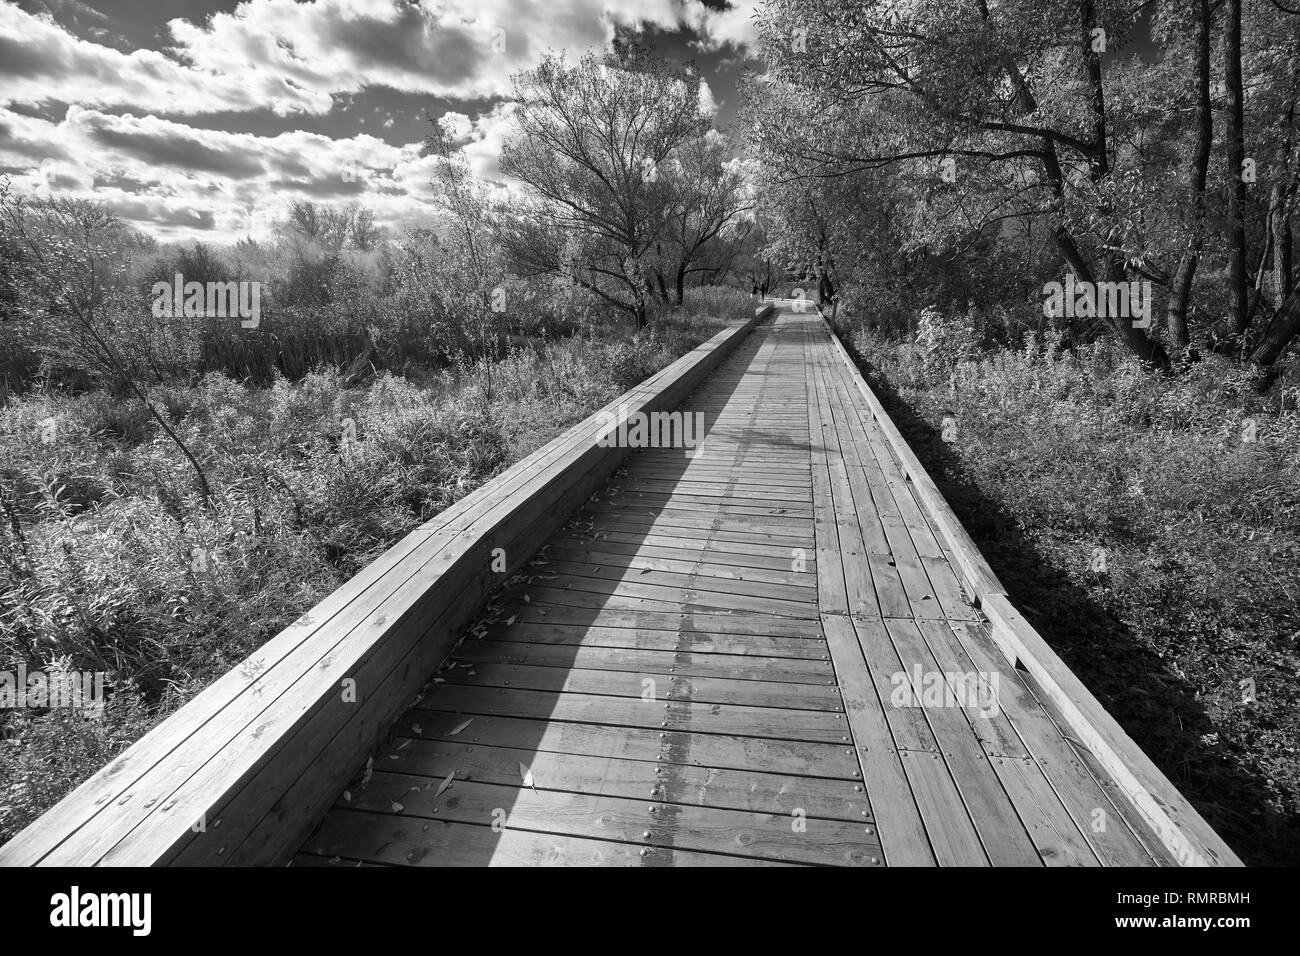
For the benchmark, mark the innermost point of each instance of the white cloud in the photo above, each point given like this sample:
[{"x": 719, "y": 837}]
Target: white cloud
[
  {"x": 182, "y": 182},
  {"x": 39, "y": 61},
  {"x": 291, "y": 56},
  {"x": 177, "y": 182}
]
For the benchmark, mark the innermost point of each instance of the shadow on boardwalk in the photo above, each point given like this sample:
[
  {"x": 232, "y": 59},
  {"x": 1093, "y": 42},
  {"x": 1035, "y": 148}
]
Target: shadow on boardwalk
[{"x": 1156, "y": 706}]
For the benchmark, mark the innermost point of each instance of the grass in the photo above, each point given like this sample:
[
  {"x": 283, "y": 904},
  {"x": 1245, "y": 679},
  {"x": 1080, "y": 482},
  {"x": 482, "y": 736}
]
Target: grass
[
  {"x": 1149, "y": 528},
  {"x": 112, "y": 563}
]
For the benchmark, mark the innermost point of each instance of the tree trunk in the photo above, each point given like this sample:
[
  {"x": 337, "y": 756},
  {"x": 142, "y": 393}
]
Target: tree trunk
[
  {"x": 681, "y": 283},
  {"x": 1180, "y": 289},
  {"x": 663, "y": 289},
  {"x": 1238, "y": 303},
  {"x": 1281, "y": 227},
  {"x": 1280, "y": 332}
]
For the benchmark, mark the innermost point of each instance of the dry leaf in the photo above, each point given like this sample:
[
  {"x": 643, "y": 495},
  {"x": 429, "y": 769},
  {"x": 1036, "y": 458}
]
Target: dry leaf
[
  {"x": 445, "y": 784},
  {"x": 459, "y": 727},
  {"x": 527, "y": 776},
  {"x": 370, "y": 771}
]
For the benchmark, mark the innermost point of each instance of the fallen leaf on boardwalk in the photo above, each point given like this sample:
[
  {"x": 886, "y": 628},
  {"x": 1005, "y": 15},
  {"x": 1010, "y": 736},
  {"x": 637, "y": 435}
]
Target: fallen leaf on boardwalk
[
  {"x": 347, "y": 796},
  {"x": 527, "y": 599},
  {"x": 459, "y": 727},
  {"x": 370, "y": 771},
  {"x": 510, "y": 620},
  {"x": 527, "y": 776},
  {"x": 417, "y": 728},
  {"x": 405, "y": 743},
  {"x": 445, "y": 784},
  {"x": 397, "y": 807}
]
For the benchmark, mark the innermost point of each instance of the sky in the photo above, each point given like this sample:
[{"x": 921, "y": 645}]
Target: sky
[{"x": 203, "y": 119}]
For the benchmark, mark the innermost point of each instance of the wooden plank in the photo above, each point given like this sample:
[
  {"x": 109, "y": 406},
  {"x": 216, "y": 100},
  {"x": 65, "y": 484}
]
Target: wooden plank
[
  {"x": 861, "y": 592},
  {"x": 985, "y": 710},
  {"x": 740, "y": 538},
  {"x": 715, "y": 555},
  {"x": 402, "y": 841},
  {"x": 695, "y": 644},
  {"x": 656, "y": 781},
  {"x": 948, "y": 825},
  {"x": 599, "y": 816},
  {"x": 762, "y": 522},
  {"x": 737, "y": 720},
  {"x": 902, "y": 834},
  {"x": 832, "y": 586},
  {"x": 670, "y": 660},
  {"x": 990, "y": 809},
  {"x": 647, "y": 689},
  {"x": 1055, "y": 835},
  {"x": 594, "y": 593},
  {"x": 720, "y": 751},
  {"x": 679, "y": 574},
  {"x": 782, "y": 511},
  {"x": 689, "y": 620}
]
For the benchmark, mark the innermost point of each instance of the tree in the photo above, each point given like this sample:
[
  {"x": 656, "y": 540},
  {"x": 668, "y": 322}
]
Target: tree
[
  {"x": 71, "y": 292},
  {"x": 591, "y": 145},
  {"x": 708, "y": 201},
  {"x": 471, "y": 274}
]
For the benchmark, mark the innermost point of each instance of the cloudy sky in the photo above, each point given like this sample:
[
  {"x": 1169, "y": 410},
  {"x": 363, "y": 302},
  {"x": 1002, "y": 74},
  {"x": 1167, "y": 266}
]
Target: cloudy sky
[{"x": 202, "y": 119}]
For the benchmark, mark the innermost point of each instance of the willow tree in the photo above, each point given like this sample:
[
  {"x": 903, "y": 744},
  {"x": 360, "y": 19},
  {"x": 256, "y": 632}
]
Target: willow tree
[{"x": 592, "y": 144}]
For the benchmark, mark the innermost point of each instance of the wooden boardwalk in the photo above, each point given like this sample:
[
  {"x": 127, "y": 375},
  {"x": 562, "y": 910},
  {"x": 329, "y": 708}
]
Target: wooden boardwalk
[{"x": 758, "y": 653}]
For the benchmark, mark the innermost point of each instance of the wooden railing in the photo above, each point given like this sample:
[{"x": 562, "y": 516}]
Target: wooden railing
[{"x": 242, "y": 773}]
